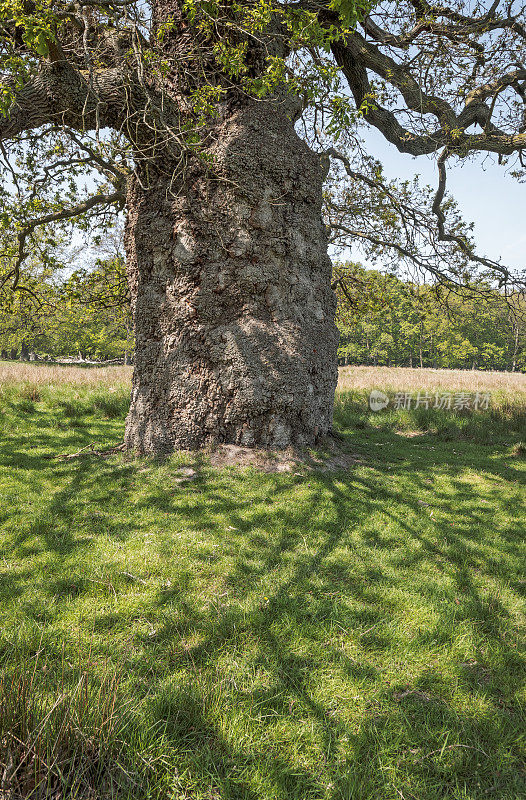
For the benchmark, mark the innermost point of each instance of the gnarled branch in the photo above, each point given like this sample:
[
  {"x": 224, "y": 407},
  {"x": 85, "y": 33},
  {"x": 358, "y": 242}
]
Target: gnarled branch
[{"x": 59, "y": 216}]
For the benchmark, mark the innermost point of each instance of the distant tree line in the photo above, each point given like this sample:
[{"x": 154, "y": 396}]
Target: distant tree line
[
  {"x": 86, "y": 314},
  {"x": 384, "y": 320}
]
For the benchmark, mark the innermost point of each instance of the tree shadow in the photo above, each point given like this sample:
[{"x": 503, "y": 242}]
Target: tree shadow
[{"x": 305, "y": 610}]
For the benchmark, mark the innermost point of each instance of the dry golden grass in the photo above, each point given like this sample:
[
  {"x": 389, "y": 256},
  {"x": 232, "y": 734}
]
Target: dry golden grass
[
  {"x": 70, "y": 376},
  {"x": 351, "y": 378},
  {"x": 411, "y": 380}
]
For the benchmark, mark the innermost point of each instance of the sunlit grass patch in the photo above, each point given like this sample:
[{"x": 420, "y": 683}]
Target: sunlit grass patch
[
  {"x": 505, "y": 418},
  {"x": 262, "y": 636}
]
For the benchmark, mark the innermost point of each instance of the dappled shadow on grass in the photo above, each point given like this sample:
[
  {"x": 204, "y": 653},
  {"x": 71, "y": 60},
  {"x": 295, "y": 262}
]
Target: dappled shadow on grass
[
  {"x": 313, "y": 597},
  {"x": 314, "y": 623},
  {"x": 44, "y": 498},
  {"x": 416, "y": 722}
]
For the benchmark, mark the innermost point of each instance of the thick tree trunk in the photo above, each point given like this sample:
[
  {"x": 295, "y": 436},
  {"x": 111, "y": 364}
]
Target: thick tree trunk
[{"x": 230, "y": 283}]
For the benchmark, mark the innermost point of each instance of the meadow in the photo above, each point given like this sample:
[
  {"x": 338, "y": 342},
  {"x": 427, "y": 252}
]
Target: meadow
[{"x": 173, "y": 630}]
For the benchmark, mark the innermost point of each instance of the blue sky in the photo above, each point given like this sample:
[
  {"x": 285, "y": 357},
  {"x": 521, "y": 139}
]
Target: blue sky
[{"x": 487, "y": 196}]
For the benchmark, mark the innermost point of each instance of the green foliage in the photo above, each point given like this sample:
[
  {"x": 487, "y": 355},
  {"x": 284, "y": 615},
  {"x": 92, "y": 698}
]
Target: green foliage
[
  {"x": 87, "y": 313},
  {"x": 36, "y": 22},
  {"x": 241, "y": 23},
  {"x": 386, "y": 321},
  {"x": 351, "y": 11}
]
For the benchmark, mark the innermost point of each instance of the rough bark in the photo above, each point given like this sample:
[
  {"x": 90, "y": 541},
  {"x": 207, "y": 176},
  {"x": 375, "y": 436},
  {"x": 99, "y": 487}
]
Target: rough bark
[{"x": 230, "y": 284}]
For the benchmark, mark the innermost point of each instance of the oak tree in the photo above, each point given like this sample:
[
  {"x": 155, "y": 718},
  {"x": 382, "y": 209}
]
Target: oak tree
[{"x": 214, "y": 123}]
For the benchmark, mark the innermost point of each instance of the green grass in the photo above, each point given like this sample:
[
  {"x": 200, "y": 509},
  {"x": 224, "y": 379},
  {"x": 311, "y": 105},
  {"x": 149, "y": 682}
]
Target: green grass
[{"x": 249, "y": 636}]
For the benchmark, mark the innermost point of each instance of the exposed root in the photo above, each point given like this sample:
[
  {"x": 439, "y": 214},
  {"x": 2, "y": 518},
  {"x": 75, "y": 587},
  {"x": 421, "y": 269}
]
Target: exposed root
[{"x": 331, "y": 459}]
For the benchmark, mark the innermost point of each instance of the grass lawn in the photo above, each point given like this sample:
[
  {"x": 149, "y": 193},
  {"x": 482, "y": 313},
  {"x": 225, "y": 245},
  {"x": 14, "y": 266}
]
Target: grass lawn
[{"x": 239, "y": 635}]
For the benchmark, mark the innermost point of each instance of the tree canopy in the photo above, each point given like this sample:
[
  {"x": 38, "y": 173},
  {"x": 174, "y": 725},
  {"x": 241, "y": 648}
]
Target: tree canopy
[
  {"x": 85, "y": 312},
  {"x": 95, "y": 89}
]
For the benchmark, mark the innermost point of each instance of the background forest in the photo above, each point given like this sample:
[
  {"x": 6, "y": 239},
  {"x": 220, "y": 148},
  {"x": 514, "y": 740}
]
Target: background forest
[
  {"x": 386, "y": 321},
  {"x": 86, "y": 314},
  {"x": 383, "y": 320}
]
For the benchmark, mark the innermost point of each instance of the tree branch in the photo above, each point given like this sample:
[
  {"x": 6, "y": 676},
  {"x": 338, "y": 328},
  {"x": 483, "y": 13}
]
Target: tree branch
[
  {"x": 59, "y": 216},
  {"x": 358, "y": 58},
  {"x": 416, "y": 219},
  {"x": 61, "y": 95}
]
